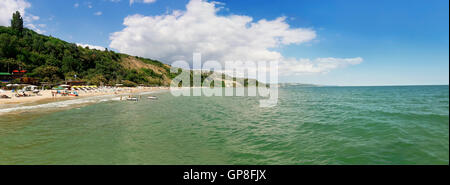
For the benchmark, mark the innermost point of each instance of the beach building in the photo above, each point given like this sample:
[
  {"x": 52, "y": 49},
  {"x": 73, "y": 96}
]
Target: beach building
[
  {"x": 18, "y": 74},
  {"x": 5, "y": 77}
]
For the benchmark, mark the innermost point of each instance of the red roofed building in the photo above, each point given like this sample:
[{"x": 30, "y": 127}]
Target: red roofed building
[{"x": 19, "y": 73}]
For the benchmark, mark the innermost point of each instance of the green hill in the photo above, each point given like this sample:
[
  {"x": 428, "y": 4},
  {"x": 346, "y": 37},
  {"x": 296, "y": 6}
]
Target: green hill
[
  {"x": 53, "y": 60},
  {"x": 48, "y": 59}
]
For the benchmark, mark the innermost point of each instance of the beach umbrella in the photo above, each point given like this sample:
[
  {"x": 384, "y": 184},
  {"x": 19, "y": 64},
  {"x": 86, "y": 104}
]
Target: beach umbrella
[{"x": 9, "y": 85}]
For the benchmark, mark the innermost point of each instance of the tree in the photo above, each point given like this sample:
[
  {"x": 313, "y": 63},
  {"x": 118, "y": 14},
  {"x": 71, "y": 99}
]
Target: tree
[
  {"x": 98, "y": 80},
  {"x": 128, "y": 83},
  {"x": 69, "y": 64},
  {"x": 8, "y": 46},
  {"x": 50, "y": 72},
  {"x": 7, "y": 64},
  {"x": 71, "y": 75},
  {"x": 17, "y": 22}
]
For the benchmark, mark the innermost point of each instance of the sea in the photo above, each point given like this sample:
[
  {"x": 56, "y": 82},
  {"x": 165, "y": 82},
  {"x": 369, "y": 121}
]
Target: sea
[{"x": 308, "y": 126}]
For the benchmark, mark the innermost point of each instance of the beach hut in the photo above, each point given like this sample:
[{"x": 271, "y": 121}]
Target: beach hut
[{"x": 5, "y": 77}]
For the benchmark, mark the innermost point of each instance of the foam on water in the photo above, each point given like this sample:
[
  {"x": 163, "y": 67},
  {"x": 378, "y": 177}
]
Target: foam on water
[
  {"x": 69, "y": 103},
  {"x": 61, "y": 104}
]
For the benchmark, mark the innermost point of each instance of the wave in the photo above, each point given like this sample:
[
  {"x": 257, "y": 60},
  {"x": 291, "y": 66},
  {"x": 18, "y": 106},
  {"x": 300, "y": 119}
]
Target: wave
[
  {"x": 62, "y": 104},
  {"x": 68, "y": 103}
]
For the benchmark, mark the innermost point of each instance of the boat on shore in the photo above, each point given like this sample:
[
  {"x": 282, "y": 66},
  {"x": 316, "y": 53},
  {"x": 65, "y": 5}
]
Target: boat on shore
[
  {"x": 133, "y": 99},
  {"x": 152, "y": 98}
]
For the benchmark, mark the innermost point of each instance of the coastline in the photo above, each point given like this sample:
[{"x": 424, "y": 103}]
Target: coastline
[{"x": 15, "y": 104}]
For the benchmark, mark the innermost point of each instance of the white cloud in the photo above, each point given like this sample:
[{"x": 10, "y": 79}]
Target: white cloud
[
  {"x": 91, "y": 46},
  {"x": 319, "y": 65},
  {"x": 177, "y": 35},
  {"x": 8, "y": 7},
  {"x": 30, "y": 18},
  {"x": 142, "y": 1},
  {"x": 76, "y": 5},
  {"x": 38, "y": 28},
  {"x": 98, "y": 13}
]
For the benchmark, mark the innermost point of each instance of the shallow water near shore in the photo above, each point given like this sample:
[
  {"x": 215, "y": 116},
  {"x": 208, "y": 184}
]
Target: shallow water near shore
[{"x": 310, "y": 125}]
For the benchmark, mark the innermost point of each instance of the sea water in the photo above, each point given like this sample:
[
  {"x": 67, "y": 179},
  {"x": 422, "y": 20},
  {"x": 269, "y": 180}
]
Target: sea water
[{"x": 310, "y": 125}]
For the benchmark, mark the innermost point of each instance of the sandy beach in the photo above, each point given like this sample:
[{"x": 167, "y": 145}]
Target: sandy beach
[{"x": 47, "y": 94}]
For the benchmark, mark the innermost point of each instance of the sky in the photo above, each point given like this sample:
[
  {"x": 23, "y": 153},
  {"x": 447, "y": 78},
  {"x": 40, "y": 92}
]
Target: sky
[{"x": 329, "y": 42}]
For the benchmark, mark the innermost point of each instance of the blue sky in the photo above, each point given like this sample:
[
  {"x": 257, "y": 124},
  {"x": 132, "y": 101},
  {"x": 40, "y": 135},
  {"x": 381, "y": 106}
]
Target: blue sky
[{"x": 401, "y": 42}]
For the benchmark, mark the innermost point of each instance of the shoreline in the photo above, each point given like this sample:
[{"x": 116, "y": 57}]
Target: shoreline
[{"x": 14, "y": 104}]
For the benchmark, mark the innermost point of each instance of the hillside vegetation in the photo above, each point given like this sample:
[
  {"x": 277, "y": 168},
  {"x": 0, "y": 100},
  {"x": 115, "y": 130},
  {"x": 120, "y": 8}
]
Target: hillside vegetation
[
  {"x": 52, "y": 60},
  {"x": 49, "y": 59}
]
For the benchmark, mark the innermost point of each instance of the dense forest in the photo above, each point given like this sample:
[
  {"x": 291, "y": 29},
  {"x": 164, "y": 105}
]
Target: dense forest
[{"x": 52, "y": 60}]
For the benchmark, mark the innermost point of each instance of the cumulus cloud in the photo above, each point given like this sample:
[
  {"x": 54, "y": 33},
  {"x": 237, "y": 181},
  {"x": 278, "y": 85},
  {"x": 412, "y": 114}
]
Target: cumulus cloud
[
  {"x": 142, "y": 1},
  {"x": 91, "y": 46},
  {"x": 8, "y": 7},
  {"x": 175, "y": 36}
]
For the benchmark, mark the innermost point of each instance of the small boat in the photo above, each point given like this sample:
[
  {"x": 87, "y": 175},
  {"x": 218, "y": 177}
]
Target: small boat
[
  {"x": 132, "y": 99},
  {"x": 152, "y": 98}
]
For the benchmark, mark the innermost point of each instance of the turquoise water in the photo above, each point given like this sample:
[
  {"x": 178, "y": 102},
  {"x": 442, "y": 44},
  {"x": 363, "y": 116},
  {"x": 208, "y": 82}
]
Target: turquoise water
[{"x": 310, "y": 125}]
